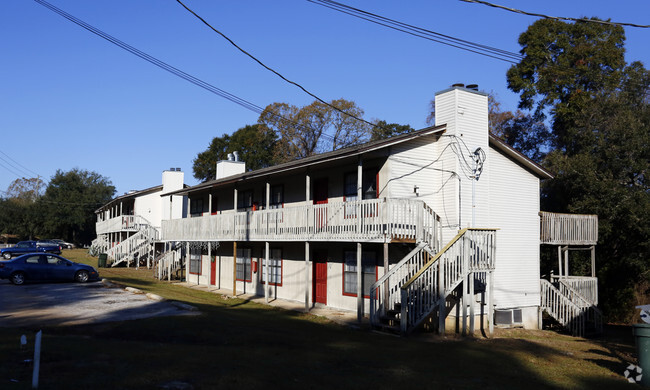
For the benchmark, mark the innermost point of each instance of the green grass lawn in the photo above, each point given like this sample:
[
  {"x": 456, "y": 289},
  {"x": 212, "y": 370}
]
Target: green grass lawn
[{"x": 235, "y": 344}]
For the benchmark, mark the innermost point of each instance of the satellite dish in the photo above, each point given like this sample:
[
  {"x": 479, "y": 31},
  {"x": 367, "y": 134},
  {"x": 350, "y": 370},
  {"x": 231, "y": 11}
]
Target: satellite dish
[{"x": 645, "y": 313}]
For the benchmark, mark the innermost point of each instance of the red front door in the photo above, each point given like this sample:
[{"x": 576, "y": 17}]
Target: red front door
[
  {"x": 213, "y": 270},
  {"x": 320, "y": 277}
]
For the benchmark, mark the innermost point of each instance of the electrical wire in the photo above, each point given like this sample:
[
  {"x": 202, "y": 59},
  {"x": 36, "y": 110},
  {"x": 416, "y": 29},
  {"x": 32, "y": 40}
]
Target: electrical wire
[
  {"x": 175, "y": 71},
  {"x": 484, "y": 50},
  {"x": 518, "y": 11},
  {"x": 269, "y": 68},
  {"x": 20, "y": 166}
]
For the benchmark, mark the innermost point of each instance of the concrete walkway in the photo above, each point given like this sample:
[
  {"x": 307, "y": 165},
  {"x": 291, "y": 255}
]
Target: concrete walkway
[{"x": 342, "y": 317}]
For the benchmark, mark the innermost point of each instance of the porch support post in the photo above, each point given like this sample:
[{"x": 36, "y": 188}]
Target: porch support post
[
  {"x": 442, "y": 300},
  {"x": 386, "y": 265},
  {"x": 307, "y": 199},
  {"x": 266, "y": 261},
  {"x": 463, "y": 298},
  {"x": 359, "y": 287},
  {"x": 559, "y": 260},
  {"x": 358, "y": 209},
  {"x": 566, "y": 261},
  {"x": 234, "y": 201},
  {"x": 307, "y": 276},
  {"x": 210, "y": 203},
  {"x": 472, "y": 301},
  {"x": 489, "y": 302},
  {"x": 121, "y": 213},
  {"x": 593, "y": 261},
  {"x": 209, "y": 261},
  {"x": 234, "y": 267}
]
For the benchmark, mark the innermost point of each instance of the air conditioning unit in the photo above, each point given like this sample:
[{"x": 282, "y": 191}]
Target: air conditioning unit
[{"x": 508, "y": 318}]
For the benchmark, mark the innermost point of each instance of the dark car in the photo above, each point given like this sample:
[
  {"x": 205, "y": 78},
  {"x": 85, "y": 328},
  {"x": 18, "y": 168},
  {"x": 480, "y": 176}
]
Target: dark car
[
  {"x": 62, "y": 244},
  {"x": 28, "y": 247},
  {"x": 45, "y": 267}
]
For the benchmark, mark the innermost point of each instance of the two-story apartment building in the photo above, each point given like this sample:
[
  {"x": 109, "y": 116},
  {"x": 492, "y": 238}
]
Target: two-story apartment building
[
  {"x": 355, "y": 228},
  {"x": 128, "y": 227}
]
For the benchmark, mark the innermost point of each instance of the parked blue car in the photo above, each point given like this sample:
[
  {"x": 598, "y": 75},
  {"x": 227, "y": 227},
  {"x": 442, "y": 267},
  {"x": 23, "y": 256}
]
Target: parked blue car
[
  {"x": 28, "y": 247},
  {"x": 45, "y": 267}
]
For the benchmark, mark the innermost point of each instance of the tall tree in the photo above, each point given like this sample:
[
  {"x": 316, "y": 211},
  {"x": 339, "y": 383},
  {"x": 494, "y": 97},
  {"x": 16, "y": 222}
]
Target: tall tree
[
  {"x": 26, "y": 190},
  {"x": 255, "y": 144},
  {"x": 70, "y": 201},
  {"x": 383, "y": 130},
  {"x": 576, "y": 73},
  {"x": 315, "y": 128}
]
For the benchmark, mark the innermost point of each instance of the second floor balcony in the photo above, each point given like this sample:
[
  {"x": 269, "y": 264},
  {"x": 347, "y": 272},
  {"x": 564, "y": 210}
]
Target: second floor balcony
[
  {"x": 121, "y": 223},
  {"x": 568, "y": 229},
  {"x": 373, "y": 220}
]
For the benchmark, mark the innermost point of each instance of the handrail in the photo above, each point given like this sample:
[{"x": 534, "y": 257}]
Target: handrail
[
  {"x": 563, "y": 309},
  {"x": 576, "y": 297},
  {"x": 586, "y": 286},
  {"x": 472, "y": 249}
]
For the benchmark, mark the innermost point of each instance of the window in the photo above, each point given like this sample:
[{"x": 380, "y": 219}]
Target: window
[
  {"x": 244, "y": 264},
  {"x": 275, "y": 270},
  {"x": 368, "y": 189},
  {"x": 277, "y": 197},
  {"x": 33, "y": 259},
  {"x": 245, "y": 200},
  {"x": 196, "y": 207},
  {"x": 368, "y": 185},
  {"x": 369, "y": 265},
  {"x": 195, "y": 261}
]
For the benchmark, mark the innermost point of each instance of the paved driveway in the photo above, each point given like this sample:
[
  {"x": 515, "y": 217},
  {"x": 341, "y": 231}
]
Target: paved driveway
[{"x": 49, "y": 304}]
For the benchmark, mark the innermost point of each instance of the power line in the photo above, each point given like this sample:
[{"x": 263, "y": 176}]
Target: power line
[
  {"x": 20, "y": 167},
  {"x": 171, "y": 69},
  {"x": 269, "y": 68},
  {"x": 518, "y": 11},
  {"x": 484, "y": 50}
]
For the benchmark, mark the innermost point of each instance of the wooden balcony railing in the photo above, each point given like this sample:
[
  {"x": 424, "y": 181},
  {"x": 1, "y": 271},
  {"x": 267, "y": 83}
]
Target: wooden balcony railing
[
  {"x": 122, "y": 223},
  {"x": 568, "y": 229},
  {"x": 370, "y": 220}
]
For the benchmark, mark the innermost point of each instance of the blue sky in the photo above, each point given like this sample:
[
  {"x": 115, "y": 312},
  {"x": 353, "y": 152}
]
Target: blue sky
[{"x": 70, "y": 99}]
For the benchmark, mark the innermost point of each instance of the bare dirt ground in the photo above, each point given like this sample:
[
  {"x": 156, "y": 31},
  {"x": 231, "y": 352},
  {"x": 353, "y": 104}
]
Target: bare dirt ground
[{"x": 52, "y": 304}]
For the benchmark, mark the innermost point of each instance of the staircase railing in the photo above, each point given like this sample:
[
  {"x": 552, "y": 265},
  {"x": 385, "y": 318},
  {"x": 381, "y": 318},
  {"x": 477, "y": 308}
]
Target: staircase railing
[
  {"x": 140, "y": 243},
  {"x": 586, "y": 286},
  {"x": 166, "y": 264},
  {"x": 471, "y": 250},
  {"x": 421, "y": 281},
  {"x": 384, "y": 293},
  {"x": 562, "y": 308},
  {"x": 589, "y": 309}
]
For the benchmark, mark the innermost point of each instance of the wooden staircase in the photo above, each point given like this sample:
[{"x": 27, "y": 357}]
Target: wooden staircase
[
  {"x": 418, "y": 287},
  {"x": 568, "y": 302},
  {"x": 136, "y": 249}
]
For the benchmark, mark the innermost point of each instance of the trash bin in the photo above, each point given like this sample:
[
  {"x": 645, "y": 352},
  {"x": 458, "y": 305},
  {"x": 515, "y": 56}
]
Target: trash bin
[
  {"x": 101, "y": 261},
  {"x": 642, "y": 338}
]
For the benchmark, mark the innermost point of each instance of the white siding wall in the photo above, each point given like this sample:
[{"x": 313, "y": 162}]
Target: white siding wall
[
  {"x": 149, "y": 207},
  {"x": 514, "y": 206}
]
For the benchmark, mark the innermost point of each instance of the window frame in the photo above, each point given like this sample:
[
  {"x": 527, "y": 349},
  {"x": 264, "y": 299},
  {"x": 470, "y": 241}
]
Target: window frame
[
  {"x": 354, "y": 273},
  {"x": 247, "y": 262},
  {"x": 193, "y": 260},
  {"x": 271, "y": 273}
]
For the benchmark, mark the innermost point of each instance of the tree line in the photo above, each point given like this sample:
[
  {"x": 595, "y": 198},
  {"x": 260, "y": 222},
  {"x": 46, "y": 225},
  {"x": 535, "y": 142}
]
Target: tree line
[{"x": 64, "y": 208}]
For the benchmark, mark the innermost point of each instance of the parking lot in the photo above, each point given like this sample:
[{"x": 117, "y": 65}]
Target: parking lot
[{"x": 51, "y": 304}]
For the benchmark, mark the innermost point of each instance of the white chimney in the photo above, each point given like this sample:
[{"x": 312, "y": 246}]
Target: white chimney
[
  {"x": 172, "y": 180},
  {"x": 230, "y": 167}
]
